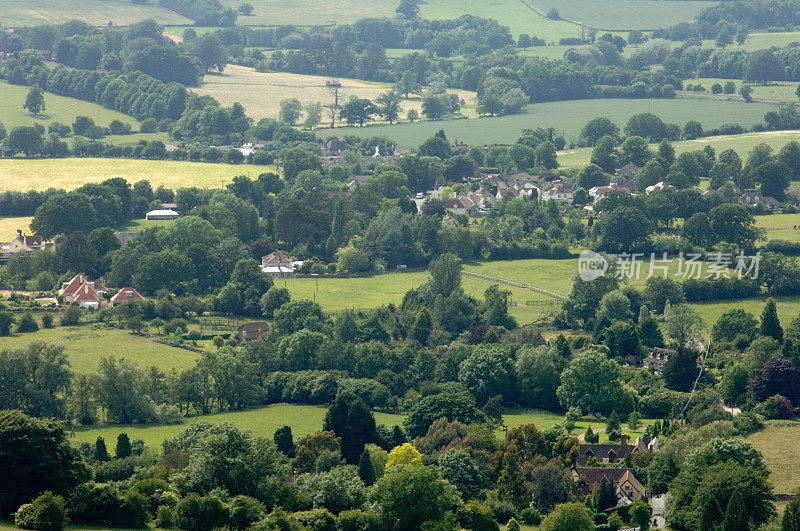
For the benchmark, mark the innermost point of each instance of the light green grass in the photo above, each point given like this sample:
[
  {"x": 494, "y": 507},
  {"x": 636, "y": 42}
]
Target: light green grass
[
  {"x": 519, "y": 17},
  {"x": 788, "y": 308},
  {"x": 741, "y": 144},
  {"x": 780, "y": 226},
  {"x": 778, "y": 91},
  {"x": 17, "y": 13},
  {"x": 780, "y": 456},
  {"x": 567, "y": 117},
  {"x": 623, "y": 14},
  {"x": 759, "y": 41},
  {"x": 300, "y": 13},
  {"x": 546, "y": 419},
  {"x": 85, "y": 345},
  {"x": 261, "y": 93},
  {"x": 59, "y": 109},
  {"x": 138, "y": 225},
  {"x": 262, "y": 422},
  {"x": 70, "y": 173},
  {"x": 9, "y": 226},
  {"x": 553, "y": 275}
]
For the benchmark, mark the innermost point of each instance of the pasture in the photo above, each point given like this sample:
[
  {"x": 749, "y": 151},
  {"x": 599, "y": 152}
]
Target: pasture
[
  {"x": 70, "y": 173},
  {"x": 84, "y": 346},
  {"x": 780, "y": 226},
  {"x": 59, "y": 109},
  {"x": 778, "y": 91},
  {"x": 95, "y": 12},
  {"x": 322, "y": 13},
  {"x": 568, "y": 117},
  {"x": 9, "y": 226},
  {"x": 788, "y": 308},
  {"x": 261, "y": 93},
  {"x": 518, "y": 15},
  {"x": 622, "y": 14},
  {"x": 779, "y": 456},
  {"x": 741, "y": 144}
]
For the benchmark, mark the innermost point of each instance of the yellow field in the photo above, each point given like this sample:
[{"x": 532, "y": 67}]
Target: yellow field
[
  {"x": 9, "y": 226},
  {"x": 780, "y": 456},
  {"x": 261, "y": 93},
  {"x": 70, "y": 173},
  {"x": 96, "y": 12}
]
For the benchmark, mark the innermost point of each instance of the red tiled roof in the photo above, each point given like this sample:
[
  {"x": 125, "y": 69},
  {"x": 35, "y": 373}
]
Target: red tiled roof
[
  {"x": 76, "y": 282},
  {"x": 122, "y": 296},
  {"x": 86, "y": 293}
]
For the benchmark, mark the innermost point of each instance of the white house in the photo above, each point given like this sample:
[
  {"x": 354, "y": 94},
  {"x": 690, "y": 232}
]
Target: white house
[
  {"x": 558, "y": 193},
  {"x": 278, "y": 265}
]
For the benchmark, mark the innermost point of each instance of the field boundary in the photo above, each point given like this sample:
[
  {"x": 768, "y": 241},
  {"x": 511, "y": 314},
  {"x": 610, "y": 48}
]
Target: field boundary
[{"x": 514, "y": 283}]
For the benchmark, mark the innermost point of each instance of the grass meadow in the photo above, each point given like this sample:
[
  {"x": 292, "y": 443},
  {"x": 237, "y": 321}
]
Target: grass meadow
[
  {"x": 780, "y": 226},
  {"x": 70, "y": 173},
  {"x": 96, "y": 12},
  {"x": 777, "y": 91},
  {"x": 9, "y": 226},
  {"x": 569, "y": 117},
  {"x": 321, "y": 13},
  {"x": 622, "y": 15},
  {"x": 84, "y": 346},
  {"x": 741, "y": 144},
  {"x": 261, "y": 93},
  {"x": 780, "y": 456}
]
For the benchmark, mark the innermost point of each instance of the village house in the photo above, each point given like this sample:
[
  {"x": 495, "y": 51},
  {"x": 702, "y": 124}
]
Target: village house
[
  {"x": 604, "y": 453},
  {"x": 252, "y": 331},
  {"x": 161, "y": 214},
  {"x": 559, "y": 192},
  {"x": 278, "y": 265},
  {"x": 357, "y": 181},
  {"x": 125, "y": 295},
  {"x": 628, "y": 488},
  {"x": 22, "y": 243},
  {"x": 629, "y": 170},
  {"x": 334, "y": 147},
  {"x": 86, "y": 293},
  {"x": 661, "y": 185},
  {"x": 753, "y": 197},
  {"x": 657, "y": 358}
]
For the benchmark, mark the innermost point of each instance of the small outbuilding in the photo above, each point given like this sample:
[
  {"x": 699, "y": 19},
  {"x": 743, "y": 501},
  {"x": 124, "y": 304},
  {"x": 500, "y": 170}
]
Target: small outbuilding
[{"x": 161, "y": 214}]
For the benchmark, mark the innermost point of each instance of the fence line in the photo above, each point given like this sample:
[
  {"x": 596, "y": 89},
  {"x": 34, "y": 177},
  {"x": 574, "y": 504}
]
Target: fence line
[{"x": 523, "y": 285}]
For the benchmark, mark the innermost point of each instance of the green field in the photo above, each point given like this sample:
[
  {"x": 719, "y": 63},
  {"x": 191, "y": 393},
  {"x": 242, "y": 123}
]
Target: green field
[
  {"x": 780, "y": 226},
  {"x": 70, "y": 173},
  {"x": 568, "y": 117},
  {"x": 780, "y": 456},
  {"x": 300, "y": 13},
  {"x": 85, "y": 345},
  {"x": 261, "y": 93},
  {"x": 741, "y": 144},
  {"x": 515, "y": 14},
  {"x": 15, "y": 13},
  {"x": 777, "y": 91},
  {"x": 59, "y": 109},
  {"x": 788, "y": 308},
  {"x": 623, "y": 14},
  {"x": 553, "y": 275}
]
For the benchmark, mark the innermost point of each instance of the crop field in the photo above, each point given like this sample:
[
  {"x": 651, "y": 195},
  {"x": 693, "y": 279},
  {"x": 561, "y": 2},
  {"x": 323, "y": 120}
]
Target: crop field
[
  {"x": 779, "y": 456},
  {"x": 623, "y": 14},
  {"x": 516, "y": 14},
  {"x": 9, "y": 226},
  {"x": 741, "y": 144},
  {"x": 261, "y": 93},
  {"x": 70, "y": 173},
  {"x": 568, "y": 117},
  {"x": 16, "y": 13},
  {"x": 85, "y": 345},
  {"x": 59, "y": 109},
  {"x": 321, "y": 13}
]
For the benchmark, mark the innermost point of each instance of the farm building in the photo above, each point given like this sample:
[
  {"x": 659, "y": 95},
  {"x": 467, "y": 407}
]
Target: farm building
[
  {"x": 278, "y": 265},
  {"x": 161, "y": 214}
]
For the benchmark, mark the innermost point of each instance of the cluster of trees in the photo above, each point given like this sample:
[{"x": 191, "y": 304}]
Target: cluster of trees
[{"x": 205, "y": 12}]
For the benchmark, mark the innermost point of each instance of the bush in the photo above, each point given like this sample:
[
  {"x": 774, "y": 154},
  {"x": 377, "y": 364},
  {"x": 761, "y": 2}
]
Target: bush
[
  {"x": 45, "y": 513},
  {"x": 530, "y": 516},
  {"x": 149, "y": 126},
  {"x": 27, "y": 323},
  {"x": 317, "y": 520},
  {"x": 105, "y": 505},
  {"x": 245, "y": 511},
  {"x": 71, "y": 317},
  {"x": 165, "y": 517},
  {"x": 201, "y": 513},
  {"x": 47, "y": 320}
]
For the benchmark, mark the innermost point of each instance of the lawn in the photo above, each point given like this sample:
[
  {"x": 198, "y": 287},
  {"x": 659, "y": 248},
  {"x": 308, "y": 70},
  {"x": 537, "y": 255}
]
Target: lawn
[
  {"x": 262, "y": 422},
  {"x": 9, "y": 226},
  {"x": 59, "y": 109},
  {"x": 568, "y": 117},
  {"x": 85, "y": 345},
  {"x": 516, "y": 14},
  {"x": 780, "y": 455},
  {"x": 16, "y": 13},
  {"x": 303, "y": 13},
  {"x": 741, "y": 144},
  {"x": 547, "y": 419},
  {"x": 70, "y": 173},
  {"x": 623, "y": 14},
  {"x": 261, "y": 93}
]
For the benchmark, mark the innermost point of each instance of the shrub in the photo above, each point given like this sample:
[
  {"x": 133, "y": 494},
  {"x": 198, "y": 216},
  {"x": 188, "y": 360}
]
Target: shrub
[
  {"x": 530, "y": 516},
  {"x": 245, "y": 511},
  {"x": 316, "y": 520},
  {"x": 27, "y": 323},
  {"x": 71, "y": 317},
  {"x": 45, "y": 513},
  {"x": 165, "y": 517},
  {"x": 105, "y": 505},
  {"x": 47, "y": 320},
  {"x": 201, "y": 513}
]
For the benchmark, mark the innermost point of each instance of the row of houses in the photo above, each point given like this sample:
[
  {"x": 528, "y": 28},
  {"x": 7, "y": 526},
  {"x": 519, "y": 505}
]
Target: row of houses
[{"x": 91, "y": 294}]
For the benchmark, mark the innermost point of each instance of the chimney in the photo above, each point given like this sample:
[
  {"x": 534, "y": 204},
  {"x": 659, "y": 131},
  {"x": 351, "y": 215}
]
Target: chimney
[
  {"x": 623, "y": 440},
  {"x": 19, "y": 233}
]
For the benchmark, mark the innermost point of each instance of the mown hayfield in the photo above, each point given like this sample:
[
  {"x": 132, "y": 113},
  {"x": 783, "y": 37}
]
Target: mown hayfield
[
  {"x": 70, "y": 173},
  {"x": 300, "y": 13},
  {"x": 96, "y": 12},
  {"x": 9, "y": 226},
  {"x": 516, "y": 14},
  {"x": 59, "y": 109},
  {"x": 568, "y": 117},
  {"x": 623, "y": 14},
  {"x": 85, "y": 345},
  {"x": 261, "y": 93},
  {"x": 262, "y": 422},
  {"x": 741, "y": 144},
  {"x": 776, "y": 444},
  {"x": 778, "y": 91}
]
